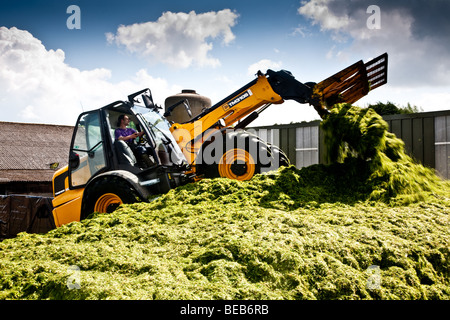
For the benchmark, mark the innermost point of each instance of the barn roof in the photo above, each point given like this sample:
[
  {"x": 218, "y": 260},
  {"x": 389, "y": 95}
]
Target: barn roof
[{"x": 32, "y": 152}]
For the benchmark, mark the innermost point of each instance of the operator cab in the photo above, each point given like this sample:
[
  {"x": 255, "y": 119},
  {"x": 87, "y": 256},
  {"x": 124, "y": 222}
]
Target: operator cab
[
  {"x": 156, "y": 146},
  {"x": 95, "y": 149},
  {"x": 135, "y": 154}
]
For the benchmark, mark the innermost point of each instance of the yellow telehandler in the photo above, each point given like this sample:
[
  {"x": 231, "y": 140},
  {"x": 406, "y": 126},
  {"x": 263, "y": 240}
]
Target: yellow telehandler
[{"x": 104, "y": 172}]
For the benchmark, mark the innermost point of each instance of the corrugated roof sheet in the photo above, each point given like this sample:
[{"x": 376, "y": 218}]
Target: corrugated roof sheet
[{"x": 27, "y": 150}]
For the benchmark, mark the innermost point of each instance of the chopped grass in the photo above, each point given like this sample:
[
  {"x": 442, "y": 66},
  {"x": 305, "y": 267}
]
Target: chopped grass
[
  {"x": 223, "y": 251},
  {"x": 373, "y": 225},
  {"x": 361, "y": 135}
]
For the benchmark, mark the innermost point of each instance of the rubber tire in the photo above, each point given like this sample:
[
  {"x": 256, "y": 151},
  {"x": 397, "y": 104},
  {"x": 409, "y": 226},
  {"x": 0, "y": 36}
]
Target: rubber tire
[
  {"x": 212, "y": 170},
  {"x": 112, "y": 185},
  {"x": 225, "y": 170}
]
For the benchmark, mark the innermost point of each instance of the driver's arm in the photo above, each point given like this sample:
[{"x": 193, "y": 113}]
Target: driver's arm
[
  {"x": 131, "y": 136},
  {"x": 118, "y": 135}
]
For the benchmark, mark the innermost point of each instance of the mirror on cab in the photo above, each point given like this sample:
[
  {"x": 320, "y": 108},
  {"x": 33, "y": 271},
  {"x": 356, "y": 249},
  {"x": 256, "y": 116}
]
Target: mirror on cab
[{"x": 74, "y": 160}]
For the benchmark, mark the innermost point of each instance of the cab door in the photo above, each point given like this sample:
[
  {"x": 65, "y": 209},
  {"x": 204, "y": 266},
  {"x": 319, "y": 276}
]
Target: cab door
[
  {"x": 87, "y": 152},
  {"x": 87, "y": 158}
]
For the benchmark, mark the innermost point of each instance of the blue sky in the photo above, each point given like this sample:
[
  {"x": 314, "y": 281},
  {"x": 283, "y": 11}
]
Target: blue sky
[{"x": 49, "y": 73}]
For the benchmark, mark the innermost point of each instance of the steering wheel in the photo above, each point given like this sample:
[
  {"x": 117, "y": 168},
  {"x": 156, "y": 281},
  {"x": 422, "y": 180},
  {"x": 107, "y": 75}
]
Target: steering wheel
[{"x": 141, "y": 140}]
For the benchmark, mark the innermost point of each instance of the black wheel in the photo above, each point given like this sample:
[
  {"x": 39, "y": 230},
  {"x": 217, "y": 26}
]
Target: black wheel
[
  {"x": 242, "y": 155},
  {"x": 106, "y": 195},
  {"x": 236, "y": 156}
]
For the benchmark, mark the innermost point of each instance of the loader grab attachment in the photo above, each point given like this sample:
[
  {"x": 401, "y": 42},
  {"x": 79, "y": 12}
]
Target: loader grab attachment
[{"x": 350, "y": 84}]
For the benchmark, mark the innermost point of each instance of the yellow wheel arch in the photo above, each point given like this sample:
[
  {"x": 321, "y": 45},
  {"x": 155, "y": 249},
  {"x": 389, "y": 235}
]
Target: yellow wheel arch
[{"x": 237, "y": 164}]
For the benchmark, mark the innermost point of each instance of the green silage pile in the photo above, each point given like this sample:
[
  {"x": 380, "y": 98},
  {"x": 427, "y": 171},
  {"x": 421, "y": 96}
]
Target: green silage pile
[
  {"x": 349, "y": 230},
  {"x": 355, "y": 135}
]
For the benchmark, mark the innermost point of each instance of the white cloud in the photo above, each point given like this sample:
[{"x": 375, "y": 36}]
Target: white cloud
[
  {"x": 417, "y": 57},
  {"x": 301, "y": 30},
  {"x": 263, "y": 65},
  {"x": 178, "y": 39},
  {"x": 37, "y": 85},
  {"x": 431, "y": 99},
  {"x": 28, "y": 113},
  {"x": 320, "y": 14}
]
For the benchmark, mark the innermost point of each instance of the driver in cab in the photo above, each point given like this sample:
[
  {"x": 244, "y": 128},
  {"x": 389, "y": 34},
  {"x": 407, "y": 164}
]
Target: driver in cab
[{"x": 123, "y": 132}]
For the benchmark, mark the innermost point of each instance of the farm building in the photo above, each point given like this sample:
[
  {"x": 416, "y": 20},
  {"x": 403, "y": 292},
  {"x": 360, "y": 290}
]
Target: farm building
[{"x": 29, "y": 156}]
